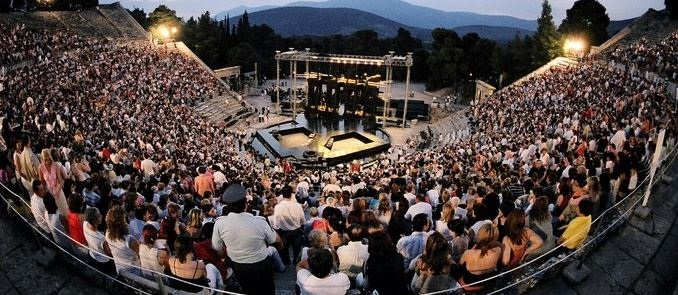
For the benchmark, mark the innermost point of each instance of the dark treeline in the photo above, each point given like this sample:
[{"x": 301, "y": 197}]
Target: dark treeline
[{"x": 449, "y": 61}]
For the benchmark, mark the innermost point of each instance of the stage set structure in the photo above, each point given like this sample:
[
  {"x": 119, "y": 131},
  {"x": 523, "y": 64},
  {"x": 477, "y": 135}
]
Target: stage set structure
[{"x": 388, "y": 62}]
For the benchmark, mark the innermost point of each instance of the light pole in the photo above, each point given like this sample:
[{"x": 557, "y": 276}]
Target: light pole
[
  {"x": 277, "y": 75},
  {"x": 407, "y": 90}
]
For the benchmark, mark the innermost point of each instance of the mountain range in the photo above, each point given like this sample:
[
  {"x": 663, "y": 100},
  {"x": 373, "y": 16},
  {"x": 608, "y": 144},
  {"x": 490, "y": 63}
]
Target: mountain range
[
  {"x": 388, "y": 15},
  {"x": 306, "y": 21},
  {"x": 407, "y": 14}
]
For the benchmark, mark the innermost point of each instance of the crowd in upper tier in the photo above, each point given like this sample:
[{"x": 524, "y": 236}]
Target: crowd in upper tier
[
  {"x": 121, "y": 169},
  {"x": 657, "y": 57}
]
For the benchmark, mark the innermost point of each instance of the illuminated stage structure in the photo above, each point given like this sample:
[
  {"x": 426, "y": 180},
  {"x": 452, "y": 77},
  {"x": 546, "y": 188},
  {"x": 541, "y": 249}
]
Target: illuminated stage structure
[
  {"x": 343, "y": 97},
  {"x": 339, "y": 118},
  {"x": 355, "y": 93},
  {"x": 317, "y": 141}
]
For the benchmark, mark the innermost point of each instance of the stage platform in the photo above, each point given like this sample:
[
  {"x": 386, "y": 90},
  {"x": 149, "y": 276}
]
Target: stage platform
[{"x": 318, "y": 141}]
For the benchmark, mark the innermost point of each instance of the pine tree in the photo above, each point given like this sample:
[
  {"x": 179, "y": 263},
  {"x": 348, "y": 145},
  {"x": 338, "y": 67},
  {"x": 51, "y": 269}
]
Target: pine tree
[
  {"x": 672, "y": 7},
  {"x": 228, "y": 27},
  {"x": 246, "y": 20},
  {"x": 547, "y": 39}
]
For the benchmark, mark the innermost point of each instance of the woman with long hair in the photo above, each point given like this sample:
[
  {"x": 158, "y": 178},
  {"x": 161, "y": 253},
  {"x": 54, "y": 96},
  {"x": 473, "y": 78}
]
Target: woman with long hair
[
  {"x": 540, "y": 221},
  {"x": 384, "y": 209},
  {"x": 194, "y": 222},
  {"x": 185, "y": 266},
  {"x": 519, "y": 241},
  {"x": 432, "y": 271},
  {"x": 124, "y": 248},
  {"x": 150, "y": 256},
  {"x": 564, "y": 196},
  {"x": 446, "y": 216},
  {"x": 170, "y": 226},
  {"x": 384, "y": 270},
  {"x": 483, "y": 259},
  {"x": 336, "y": 226},
  {"x": 594, "y": 193}
]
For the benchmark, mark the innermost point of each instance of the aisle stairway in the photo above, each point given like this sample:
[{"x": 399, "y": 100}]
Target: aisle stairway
[
  {"x": 555, "y": 63},
  {"x": 123, "y": 21},
  {"x": 223, "y": 110}
]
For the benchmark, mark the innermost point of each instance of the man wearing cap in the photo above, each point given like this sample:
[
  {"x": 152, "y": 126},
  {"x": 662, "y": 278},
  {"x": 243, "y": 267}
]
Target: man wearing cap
[{"x": 246, "y": 238}]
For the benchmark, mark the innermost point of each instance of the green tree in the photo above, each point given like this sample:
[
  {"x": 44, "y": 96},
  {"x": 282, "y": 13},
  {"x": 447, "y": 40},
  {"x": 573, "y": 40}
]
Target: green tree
[
  {"x": 404, "y": 42},
  {"x": 163, "y": 16},
  {"x": 243, "y": 55},
  {"x": 420, "y": 70},
  {"x": 587, "y": 18},
  {"x": 672, "y": 7},
  {"x": 547, "y": 39},
  {"x": 140, "y": 16},
  {"x": 443, "y": 36}
]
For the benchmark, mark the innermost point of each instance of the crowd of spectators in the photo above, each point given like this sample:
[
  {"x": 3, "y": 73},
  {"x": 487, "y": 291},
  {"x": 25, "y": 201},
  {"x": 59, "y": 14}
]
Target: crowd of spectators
[
  {"x": 657, "y": 57},
  {"x": 127, "y": 170},
  {"x": 22, "y": 44}
]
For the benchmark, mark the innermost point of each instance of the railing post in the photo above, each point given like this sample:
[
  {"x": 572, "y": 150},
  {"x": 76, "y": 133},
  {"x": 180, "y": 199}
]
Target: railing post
[
  {"x": 162, "y": 290},
  {"x": 643, "y": 211}
]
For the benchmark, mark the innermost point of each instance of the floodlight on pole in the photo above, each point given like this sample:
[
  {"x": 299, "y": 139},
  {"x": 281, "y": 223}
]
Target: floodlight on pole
[{"x": 574, "y": 47}]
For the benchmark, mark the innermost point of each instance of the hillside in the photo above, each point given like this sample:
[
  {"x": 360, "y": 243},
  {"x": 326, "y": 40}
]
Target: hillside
[
  {"x": 307, "y": 21},
  {"x": 616, "y": 25},
  {"x": 239, "y": 10},
  {"x": 499, "y": 34},
  {"x": 423, "y": 17}
]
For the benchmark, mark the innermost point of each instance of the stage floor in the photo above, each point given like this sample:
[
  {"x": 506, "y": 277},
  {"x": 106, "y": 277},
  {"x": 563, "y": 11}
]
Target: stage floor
[{"x": 314, "y": 140}]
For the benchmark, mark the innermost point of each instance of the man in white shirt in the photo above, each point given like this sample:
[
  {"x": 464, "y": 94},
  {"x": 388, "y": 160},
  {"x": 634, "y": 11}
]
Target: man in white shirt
[
  {"x": 353, "y": 256},
  {"x": 411, "y": 198},
  {"x": 219, "y": 177},
  {"x": 247, "y": 238},
  {"x": 433, "y": 194},
  {"x": 332, "y": 187},
  {"x": 618, "y": 139},
  {"x": 38, "y": 207},
  {"x": 148, "y": 167},
  {"x": 314, "y": 276},
  {"x": 420, "y": 207},
  {"x": 288, "y": 220}
]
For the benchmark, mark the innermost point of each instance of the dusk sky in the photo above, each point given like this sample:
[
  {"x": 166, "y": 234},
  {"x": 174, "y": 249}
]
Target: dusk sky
[{"x": 527, "y": 9}]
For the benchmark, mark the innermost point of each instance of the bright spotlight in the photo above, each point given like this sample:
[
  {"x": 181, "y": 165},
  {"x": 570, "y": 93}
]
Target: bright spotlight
[
  {"x": 164, "y": 32},
  {"x": 174, "y": 30},
  {"x": 573, "y": 45}
]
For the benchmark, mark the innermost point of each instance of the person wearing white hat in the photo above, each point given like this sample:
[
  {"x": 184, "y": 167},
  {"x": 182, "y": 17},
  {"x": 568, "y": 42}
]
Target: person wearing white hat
[{"x": 247, "y": 238}]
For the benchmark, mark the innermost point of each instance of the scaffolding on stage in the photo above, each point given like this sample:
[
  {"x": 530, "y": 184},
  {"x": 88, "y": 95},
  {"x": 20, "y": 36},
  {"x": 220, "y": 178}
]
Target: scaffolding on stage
[{"x": 387, "y": 61}]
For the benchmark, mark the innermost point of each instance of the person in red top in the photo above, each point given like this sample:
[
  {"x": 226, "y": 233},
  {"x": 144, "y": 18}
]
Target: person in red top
[
  {"x": 355, "y": 166},
  {"x": 287, "y": 167},
  {"x": 75, "y": 220},
  {"x": 203, "y": 250},
  {"x": 106, "y": 153}
]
